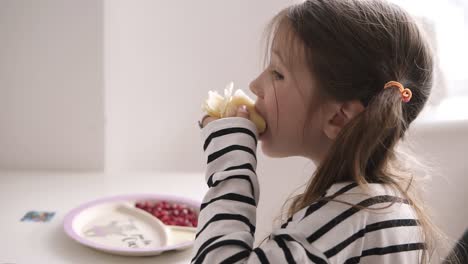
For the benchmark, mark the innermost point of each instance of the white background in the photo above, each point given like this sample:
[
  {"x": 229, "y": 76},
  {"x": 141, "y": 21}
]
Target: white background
[
  {"x": 118, "y": 84},
  {"x": 51, "y": 85}
]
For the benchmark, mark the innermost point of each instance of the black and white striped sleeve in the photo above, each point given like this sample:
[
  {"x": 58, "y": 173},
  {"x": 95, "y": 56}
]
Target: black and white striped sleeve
[
  {"x": 376, "y": 226},
  {"x": 226, "y": 223}
]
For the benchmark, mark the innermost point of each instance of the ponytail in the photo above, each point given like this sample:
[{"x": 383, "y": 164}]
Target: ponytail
[{"x": 364, "y": 153}]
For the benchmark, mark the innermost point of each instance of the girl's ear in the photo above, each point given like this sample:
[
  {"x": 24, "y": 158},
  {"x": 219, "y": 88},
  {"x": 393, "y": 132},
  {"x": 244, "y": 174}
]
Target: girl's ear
[{"x": 338, "y": 115}]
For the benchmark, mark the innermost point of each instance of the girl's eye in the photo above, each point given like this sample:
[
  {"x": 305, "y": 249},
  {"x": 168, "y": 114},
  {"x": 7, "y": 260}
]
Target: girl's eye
[{"x": 277, "y": 75}]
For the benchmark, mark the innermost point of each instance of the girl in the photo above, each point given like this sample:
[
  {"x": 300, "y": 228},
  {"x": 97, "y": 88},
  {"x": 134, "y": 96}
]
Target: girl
[{"x": 344, "y": 81}]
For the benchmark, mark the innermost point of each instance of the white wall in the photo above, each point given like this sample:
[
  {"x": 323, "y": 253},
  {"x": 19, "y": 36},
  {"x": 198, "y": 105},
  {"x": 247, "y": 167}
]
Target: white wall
[
  {"x": 442, "y": 147},
  {"x": 51, "y": 84},
  {"x": 161, "y": 59}
]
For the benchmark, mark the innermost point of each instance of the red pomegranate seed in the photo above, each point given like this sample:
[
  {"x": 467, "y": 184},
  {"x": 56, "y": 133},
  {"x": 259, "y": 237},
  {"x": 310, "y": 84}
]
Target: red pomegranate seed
[
  {"x": 170, "y": 213},
  {"x": 165, "y": 218},
  {"x": 164, "y": 212}
]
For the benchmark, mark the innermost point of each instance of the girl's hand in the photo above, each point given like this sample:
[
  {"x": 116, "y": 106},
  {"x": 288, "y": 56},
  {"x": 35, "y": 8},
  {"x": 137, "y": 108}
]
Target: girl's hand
[{"x": 241, "y": 112}]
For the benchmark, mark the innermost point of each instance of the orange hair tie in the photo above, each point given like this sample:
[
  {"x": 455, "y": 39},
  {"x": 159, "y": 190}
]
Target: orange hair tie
[{"x": 406, "y": 93}]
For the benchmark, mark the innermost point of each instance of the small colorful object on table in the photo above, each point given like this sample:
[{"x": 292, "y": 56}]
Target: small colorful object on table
[{"x": 37, "y": 216}]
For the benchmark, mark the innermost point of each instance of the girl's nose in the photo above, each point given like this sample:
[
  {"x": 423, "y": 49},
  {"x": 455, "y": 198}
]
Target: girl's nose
[{"x": 254, "y": 87}]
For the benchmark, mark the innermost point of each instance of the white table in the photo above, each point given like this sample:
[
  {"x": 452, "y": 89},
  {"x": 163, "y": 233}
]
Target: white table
[{"x": 34, "y": 242}]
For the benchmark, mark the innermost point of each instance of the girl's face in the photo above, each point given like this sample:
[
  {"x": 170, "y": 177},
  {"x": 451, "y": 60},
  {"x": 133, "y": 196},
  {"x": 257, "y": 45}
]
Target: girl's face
[{"x": 285, "y": 95}]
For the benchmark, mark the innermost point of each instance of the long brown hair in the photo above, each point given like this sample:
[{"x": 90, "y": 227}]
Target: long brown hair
[{"x": 354, "y": 47}]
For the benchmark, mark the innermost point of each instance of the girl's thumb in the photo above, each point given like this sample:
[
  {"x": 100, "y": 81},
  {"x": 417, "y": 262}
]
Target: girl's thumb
[{"x": 242, "y": 111}]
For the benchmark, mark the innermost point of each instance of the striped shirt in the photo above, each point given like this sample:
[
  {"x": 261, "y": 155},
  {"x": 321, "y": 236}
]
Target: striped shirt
[{"x": 383, "y": 230}]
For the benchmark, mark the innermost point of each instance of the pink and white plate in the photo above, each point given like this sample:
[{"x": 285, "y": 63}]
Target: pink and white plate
[{"x": 116, "y": 226}]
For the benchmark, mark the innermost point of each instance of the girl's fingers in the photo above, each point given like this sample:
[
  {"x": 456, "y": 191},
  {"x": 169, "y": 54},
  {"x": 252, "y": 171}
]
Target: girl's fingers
[
  {"x": 243, "y": 112},
  {"x": 207, "y": 119}
]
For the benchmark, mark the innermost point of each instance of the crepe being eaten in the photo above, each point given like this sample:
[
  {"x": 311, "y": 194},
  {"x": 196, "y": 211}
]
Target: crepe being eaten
[{"x": 224, "y": 106}]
